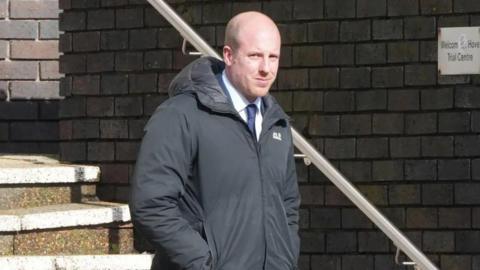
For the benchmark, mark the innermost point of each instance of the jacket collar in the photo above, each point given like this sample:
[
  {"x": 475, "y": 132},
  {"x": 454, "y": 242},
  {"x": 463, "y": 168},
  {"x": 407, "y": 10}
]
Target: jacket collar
[{"x": 200, "y": 78}]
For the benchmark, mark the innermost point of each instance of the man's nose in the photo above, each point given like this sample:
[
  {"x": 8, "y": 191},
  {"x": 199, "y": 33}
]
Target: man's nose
[{"x": 265, "y": 66}]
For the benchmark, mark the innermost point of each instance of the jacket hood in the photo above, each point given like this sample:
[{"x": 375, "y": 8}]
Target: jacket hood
[{"x": 199, "y": 78}]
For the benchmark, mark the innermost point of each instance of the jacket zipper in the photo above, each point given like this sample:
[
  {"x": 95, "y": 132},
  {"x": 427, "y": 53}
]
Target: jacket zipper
[
  {"x": 257, "y": 145},
  {"x": 262, "y": 186}
]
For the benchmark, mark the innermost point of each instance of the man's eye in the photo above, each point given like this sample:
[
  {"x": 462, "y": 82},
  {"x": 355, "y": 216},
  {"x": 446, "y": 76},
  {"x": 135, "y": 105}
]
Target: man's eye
[{"x": 254, "y": 55}]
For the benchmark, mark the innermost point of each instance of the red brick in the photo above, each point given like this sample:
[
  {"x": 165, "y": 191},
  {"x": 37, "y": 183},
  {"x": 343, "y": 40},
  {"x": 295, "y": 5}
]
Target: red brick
[
  {"x": 4, "y": 130},
  {"x": 180, "y": 60},
  {"x": 65, "y": 129},
  {"x": 74, "y": 106},
  {"x": 99, "y": 62},
  {"x": 66, "y": 86},
  {"x": 3, "y": 90},
  {"x": 86, "y": 41},
  {"x": 113, "y": 3},
  {"x": 18, "y": 70},
  {"x": 34, "y": 9},
  {"x": 333, "y": 196},
  {"x": 85, "y": 128},
  {"x": 129, "y": 18},
  {"x": 308, "y": 55},
  {"x": 218, "y": 12},
  {"x": 122, "y": 194},
  {"x": 246, "y": 6},
  {"x": 293, "y": 79},
  {"x": 164, "y": 80},
  {"x": 86, "y": 85},
  {"x": 128, "y": 106},
  {"x": 422, "y": 218},
  {"x": 114, "y": 128},
  {"x": 49, "y": 109},
  {"x": 114, "y": 173},
  {"x": 73, "y": 63},
  {"x": 85, "y": 3},
  {"x": 377, "y": 194},
  {"x": 73, "y": 151},
  {"x": 152, "y": 18},
  {"x": 100, "y": 106},
  {"x": 126, "y": 151},
  {"x": 49, "y": 70},
  {"x": 34, "y": 131},
  {"x": 19, "y": 110},
  {"x": 49, "y": 29},
  {"x": 3, "y": 8},
  {"x": 34, "y": 90},
  {"x": 72, "y": 20},
  {"x": 65, "y": 42},
  {"x": 114, "y": 40},
  {"x": 3, "y": 48},
  {"x": 18, "y": 29},
  {"x": 28, "y": 49},
  {"x": 135, "y": 128},
  {"x": 129, "y": 61},
  {"x": 170, "y": 38},
  {"x": 65, "y": 4},
  {"x": 101, "y": 19},
  {"x": 100, "y": 151},
  {"x": 312, "y": 195}
]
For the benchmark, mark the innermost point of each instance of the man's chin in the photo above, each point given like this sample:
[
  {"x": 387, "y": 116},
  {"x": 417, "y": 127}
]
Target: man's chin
[{"x": 261, "y": 93}]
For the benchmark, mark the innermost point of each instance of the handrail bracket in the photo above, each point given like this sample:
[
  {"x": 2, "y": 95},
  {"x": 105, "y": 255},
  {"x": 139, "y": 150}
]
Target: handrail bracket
[
  {"x": 404, "y": 263},
  {"x": 184, "y": 49}
]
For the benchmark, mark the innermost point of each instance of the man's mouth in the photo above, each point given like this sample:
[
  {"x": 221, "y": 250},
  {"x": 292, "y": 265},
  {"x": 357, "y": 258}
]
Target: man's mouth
[{"x": 263, "y": 82}]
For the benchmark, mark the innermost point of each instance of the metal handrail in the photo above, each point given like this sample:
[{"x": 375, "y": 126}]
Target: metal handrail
[{"x": 421, "y": 261}]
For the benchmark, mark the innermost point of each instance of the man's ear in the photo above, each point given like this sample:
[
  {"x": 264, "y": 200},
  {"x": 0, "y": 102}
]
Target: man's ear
[{"x": 227, "y": 55}]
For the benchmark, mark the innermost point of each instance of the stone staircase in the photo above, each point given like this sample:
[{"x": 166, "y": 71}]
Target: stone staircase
[{"x": 50, "y": 219}]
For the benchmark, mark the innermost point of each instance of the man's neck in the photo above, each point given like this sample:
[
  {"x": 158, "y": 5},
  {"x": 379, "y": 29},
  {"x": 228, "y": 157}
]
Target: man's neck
[{"x": 236, "y": 96}]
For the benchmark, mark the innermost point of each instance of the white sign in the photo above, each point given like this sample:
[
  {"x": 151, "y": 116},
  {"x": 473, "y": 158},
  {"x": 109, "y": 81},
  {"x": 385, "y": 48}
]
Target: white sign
[{"x": 459, "y": 50}]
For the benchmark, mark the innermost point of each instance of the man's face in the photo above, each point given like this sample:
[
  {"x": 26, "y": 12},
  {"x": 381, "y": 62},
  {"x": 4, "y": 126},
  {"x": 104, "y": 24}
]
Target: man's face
[{"x": 252, "y": 66}]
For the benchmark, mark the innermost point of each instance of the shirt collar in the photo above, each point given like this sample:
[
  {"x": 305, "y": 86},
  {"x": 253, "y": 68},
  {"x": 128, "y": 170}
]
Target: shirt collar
[{"x": 238, "y": 100}]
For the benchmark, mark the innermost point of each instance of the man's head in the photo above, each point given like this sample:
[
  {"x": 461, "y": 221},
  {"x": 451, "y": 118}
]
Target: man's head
[{"x": 251, "y": 53}]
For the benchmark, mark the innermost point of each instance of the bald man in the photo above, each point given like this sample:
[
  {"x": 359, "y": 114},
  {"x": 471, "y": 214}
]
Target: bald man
[{"x": 215, "y": 184}]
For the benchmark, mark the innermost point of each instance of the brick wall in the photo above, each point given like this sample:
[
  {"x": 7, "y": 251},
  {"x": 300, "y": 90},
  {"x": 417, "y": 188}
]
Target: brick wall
[
  {"x": 118, "y": 60},
  {"x": 359, "y": 79},
  {"x": 29, "y": 76}
]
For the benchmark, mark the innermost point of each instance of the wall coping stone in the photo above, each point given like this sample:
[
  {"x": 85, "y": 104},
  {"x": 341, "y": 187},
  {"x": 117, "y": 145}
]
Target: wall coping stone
[
  {"x": 28, "y": 169},
  {"x": 63, "y": 215}
]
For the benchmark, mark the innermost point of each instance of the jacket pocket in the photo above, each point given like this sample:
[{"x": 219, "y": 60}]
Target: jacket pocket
[
  {"x": 290, "y": 241},
  {"x": 206, "y": 235}
]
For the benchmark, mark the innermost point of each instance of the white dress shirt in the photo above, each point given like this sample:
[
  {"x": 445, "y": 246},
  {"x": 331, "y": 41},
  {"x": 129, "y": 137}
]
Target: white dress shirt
[{"x": 240, "y": 104}]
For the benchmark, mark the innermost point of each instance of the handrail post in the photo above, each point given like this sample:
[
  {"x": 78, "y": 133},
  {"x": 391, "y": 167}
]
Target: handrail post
[{"x": 422, "y": 262}]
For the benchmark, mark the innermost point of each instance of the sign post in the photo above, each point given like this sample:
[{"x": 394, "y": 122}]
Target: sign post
[{"x": 459, "y": 50}]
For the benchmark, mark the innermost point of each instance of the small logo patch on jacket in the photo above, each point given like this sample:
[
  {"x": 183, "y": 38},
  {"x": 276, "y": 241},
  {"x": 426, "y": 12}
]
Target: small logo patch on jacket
[{"x": 277, "y": 136}]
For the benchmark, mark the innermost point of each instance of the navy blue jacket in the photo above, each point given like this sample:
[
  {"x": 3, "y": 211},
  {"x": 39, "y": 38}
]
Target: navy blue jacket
[{"x": 208, "y": 194}]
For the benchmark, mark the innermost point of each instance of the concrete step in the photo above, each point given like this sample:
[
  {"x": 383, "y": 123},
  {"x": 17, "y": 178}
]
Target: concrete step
[
  {"x": 31, "y": 181},
  {"x": 78, "y": 228},
  {"x": 104, "y": 239},
  {"x": 25, "y": 196},
  {"x": 23, "y": 169},
  {"x": 63, "y": 215},
  {"x": 83, "y": 262}
]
